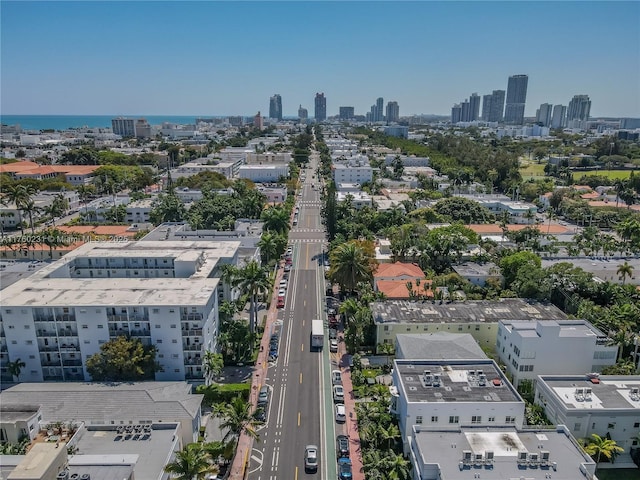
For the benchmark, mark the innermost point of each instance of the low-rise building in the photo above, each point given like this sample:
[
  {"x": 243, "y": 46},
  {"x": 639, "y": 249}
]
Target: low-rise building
[
  {"x": 453, "y": 393},
  {"x": 139, "y": 211},
  {"x": 479, "y": 273},
  {"x": 607, "y": 405},
  {"x": 479, "y": 318},
  {"x": 401, "y": 281},
  {"x": 271, "y": 173},
  {"x": 438, "y": 346},
  {"x": 498, "y": 453},
  {"x": 552, "y": 347},
  {"x": 275, "y": 194},
  {"x": 352, "y": 170}
]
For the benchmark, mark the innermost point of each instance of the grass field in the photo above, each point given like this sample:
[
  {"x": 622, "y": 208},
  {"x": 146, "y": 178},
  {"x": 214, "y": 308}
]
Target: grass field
[
  {"x": 613, "y": 174},
  {"x": 531, "y": 170}
]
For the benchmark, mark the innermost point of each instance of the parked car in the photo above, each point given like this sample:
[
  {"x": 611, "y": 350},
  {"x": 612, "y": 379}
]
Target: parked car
[
  {"x": 338, "y": 393},
  {"x": 263, "y": 396},
  {"x": 344, "y": 469},
  {"x": 311, "y": 458},
  {"x": 282, "y": 292},
  {"x": 333, "y": 345},
  {"x": 336, "y": 377},
  {"x": 333, "y": 333},
  {"x": 283, "y": 284},
  {"x": 342, "y": 446},
  {"x": 280, "y": 303},
  {"x": 341, "y": 413}
]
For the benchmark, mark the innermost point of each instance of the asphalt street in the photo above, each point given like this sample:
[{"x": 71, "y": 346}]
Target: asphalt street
[{"x": 300, "y": 408}]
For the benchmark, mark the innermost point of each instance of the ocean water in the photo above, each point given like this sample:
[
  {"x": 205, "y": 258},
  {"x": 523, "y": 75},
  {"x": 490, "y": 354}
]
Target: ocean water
[{"x": 64, "y": 122}]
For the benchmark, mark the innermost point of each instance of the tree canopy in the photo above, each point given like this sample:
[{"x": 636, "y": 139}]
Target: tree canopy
[{"x": 123, "y": 359}]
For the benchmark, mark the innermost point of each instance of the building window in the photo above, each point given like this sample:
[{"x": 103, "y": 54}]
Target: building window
[
  {"x": 576, "y": 427},
  {"x": 174, "y": 326},
  {"x": 491, "y": 419},
  {"x": 87, "y": 342},
  {"x": 100, "y": 326},
  {"x": 85, "y": 326},
  {"x": 476, "y": 419},
  {"x": 434, "y": 419},
  {"x": 510, "y": 419},
  {"x": 158, "y": 326},
  {"x": 8, "y": 310},
  {"x": 29, "y": 342},
  {"x": 611, "y": 426},
  {"x": 386, "y": 328},
  {"x": 156, "y": 310},
  {"x": 159, "y": 340},
  {"x": 454, "y": 419},
  {"x": 175, "y": 355},
  {"x": 174, "y": 341},
  {"x": 419, "y": 419},
  {"x": 32, "y": 357},
  {"x": 27, "y": 327},
  {"x": 177, "y": 370},
  {"x": 636, "y": 425}
]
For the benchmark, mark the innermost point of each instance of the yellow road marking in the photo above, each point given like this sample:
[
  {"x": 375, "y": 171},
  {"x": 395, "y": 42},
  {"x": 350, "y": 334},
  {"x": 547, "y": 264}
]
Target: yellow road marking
[
  {"x": 300, "y": 377},
  {"x": 304, "y": 303},
  {"x": 302, "y": 349},
  {"x": 296, "y": 478},
  {"x": 298, "y": 418}
]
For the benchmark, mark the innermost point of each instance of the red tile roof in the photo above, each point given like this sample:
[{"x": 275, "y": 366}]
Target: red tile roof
[
  {"x": 398, "y": 269},
  {"x": 397, "y": 289}
]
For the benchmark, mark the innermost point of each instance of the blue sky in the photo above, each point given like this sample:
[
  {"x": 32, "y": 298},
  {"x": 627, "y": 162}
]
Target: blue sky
[{"x": 220, "y": 58}]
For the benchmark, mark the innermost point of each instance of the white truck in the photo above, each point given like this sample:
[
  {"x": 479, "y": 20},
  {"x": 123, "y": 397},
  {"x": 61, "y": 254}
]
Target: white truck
[{"x": 317, "y": 334}]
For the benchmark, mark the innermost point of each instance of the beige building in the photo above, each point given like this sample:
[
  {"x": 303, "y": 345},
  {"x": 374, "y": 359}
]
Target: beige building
[{"x": 478, "y": 317}]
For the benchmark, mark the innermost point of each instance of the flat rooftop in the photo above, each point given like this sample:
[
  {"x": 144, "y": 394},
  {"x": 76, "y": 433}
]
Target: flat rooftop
[
  {"x": 446, "y": 448},
  {"x": 95, "y": 403},
  {"x": 438, "y": 346},
  {"x": 612, "y": 392},
  {"x": 405, "y": 311},
  {"x": 460, "y": 381},
  {"x": 606, "y": 269},
  {"x": 476, "y": 269},
  {"x": 105, "y": 447},
  {"x": 568, "y": 328}
]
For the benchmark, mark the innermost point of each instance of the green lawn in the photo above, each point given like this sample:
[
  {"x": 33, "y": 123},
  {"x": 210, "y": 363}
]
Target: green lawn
[
  {"x": 531, "y": 170},
  {"x": 613, "y": 174},
  {"x": 618, "y": 474}
]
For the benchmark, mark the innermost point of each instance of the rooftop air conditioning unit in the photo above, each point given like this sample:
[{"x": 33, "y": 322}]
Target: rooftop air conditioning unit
[
  {"x": 466, "y": 456},
  {"x": 522, "y": 456},
  {"x": 488, "y": 457}
]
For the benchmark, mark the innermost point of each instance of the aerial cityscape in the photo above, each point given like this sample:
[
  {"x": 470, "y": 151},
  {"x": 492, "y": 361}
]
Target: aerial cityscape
[{"x": 323, "y": 240}]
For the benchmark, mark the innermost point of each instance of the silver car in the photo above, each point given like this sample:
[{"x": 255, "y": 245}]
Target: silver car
[{"x": 311, "y": 458}]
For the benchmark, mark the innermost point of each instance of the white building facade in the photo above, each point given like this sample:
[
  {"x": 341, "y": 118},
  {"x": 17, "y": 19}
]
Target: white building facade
[
  {"x": 529, "y": 349},
  {"x": 162, "y": 293}
]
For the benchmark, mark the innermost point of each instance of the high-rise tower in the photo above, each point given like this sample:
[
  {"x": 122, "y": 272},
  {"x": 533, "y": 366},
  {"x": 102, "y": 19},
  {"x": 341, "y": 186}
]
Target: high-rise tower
[
  {"x": 579, "y": 108},
  {"x": 393, "y": 112},
  {"x": 275, "y": 107},
  {"x": 474, "y": 107},
  {"x": 543, "y": 115},
  {"x": 321, "y": 107},
  {"x": 516, "y": 99}
]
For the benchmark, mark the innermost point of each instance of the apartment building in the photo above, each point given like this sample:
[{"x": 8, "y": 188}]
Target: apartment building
[
  {"x": 163, "y": 293},
  {"x": 529, "y": 349},
  {"x": 608, "y": 405},
  {"x": 498, "y": 453},
  {"x": 270, "y": 173},
  {"x": 352, "y": 170},
  {"x": 453, "y": 393},
  {"x": 479, "y": 318}
]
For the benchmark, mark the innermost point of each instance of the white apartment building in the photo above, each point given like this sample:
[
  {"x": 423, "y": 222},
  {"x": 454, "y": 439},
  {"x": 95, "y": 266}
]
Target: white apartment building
[
  {"x": 601, "y": 404},
  {"x": 478, "y": 317},
  {"x": 235, "y": 154},
  {"x": 139, "y": 211},
  {"x": 268, "y": 157},
  {"x": 498, "y": 453},
  {"x": 271, "y": 173},
  {"x": 274, "y": 194},
  {"x": 358, "y": 199},
  {"x": 352, "y": 170},
  {"x": 498, "y": 204},
  {"x": 453, "y": 393},
  {"x": 227, "y": 168},
  {"x": 529, "y": 349},
  {"x": 161, "y": 292}
]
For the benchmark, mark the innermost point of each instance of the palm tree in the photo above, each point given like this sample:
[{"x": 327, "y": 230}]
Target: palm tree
[
  {"x": 399, "y": 467},
  {"x": 85, "y": 192},
  {"x": 350, "y": 265},
  {"x": 212, "y": 364},
  {"x": 15, "y": 368},
  {"x": 275, "y": 219},
  {"x": 268, "y": 246},
  {"x": 20, "y": 195},
  {"x": 253, "y": 279},
  {"x": 390, "y": 435},
  {"x": 625, "y": 270},
  {"x": 386, "y": 349},
  {"x": 191, "y": 463},
  {"x": 30, "y": 208},
  {"x": 237, "y": 419},
  {"x": 599, "y": 446},
  {"x": 348, "y": 309}
]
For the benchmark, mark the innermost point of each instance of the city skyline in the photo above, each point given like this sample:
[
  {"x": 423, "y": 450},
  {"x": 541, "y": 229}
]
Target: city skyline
[{"x": 92, "y": 62}]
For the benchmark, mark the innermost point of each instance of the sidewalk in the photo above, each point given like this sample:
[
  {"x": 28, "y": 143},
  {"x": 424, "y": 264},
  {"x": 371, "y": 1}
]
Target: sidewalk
[
  {"x": 245, "y": 443},
  {"x": 350, "y": 407}
]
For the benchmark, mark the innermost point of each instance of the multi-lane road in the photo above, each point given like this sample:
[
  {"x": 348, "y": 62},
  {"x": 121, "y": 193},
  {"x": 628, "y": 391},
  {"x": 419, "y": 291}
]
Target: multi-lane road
[{"x": 300, "y": 408}]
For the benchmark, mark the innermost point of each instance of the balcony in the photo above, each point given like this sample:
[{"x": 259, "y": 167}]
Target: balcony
[
  {"x": 193, "y": 361},
  {"x": 46, "y": 333},
  {"x": 48, "y": 318},
  {"x": 118, "y": 318},
  {"x": 50, "y": 363},
  {"x": 191, "y": 317},
  {"x": 194, "y": 332},
  {"x": 140, "y": 333},
  {"x": 48, "y": 348},
  {"x": 192, "y": 348},
  {"x": 69, "y": 347},
  {"x": 65, "y": 317},
  {"x": 67, "y": 333},
  {"x": 72, "y": 363}
]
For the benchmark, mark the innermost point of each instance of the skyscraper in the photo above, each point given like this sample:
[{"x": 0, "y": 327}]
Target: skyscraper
[
  {"x": 321, "y": 107},
  {"x": 516, "y": 99},
  {"x": 275, "y": 107},
  {"x": 474, "y": 107},
  {"x": 558, "y": 117},
  {"x": 456, "y": 113},
  {"x": 543, "y": 115},
  {"x": 497, "y": 106},
  {"x": 393, "y": 112},
  {"x": 486, "y": 107},
  {"x": 347, "y": 113},
  {"x": 302, "y": 113},
  {"x": 579, "y": 108},
  {"x": 379, "y": 110},
  {"x": 465, "y": 116},
  {"x": 258, "y": 121}
]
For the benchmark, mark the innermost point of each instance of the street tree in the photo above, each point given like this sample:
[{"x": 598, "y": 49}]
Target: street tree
[{"x": 15, "y": 368}]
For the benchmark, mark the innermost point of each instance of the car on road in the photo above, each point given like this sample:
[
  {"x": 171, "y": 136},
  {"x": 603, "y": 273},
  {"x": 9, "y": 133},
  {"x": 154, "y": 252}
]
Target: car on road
[
  {"x": 280, "y": 303},
  {"x": 283, "y": 284},
  {"x": 341, "y": 413},
  {"x": 338, "y": 394},
  {"x": 287, "y": 268},
  {"x": 344, "y": 469},
  {"x": 342, "y": 446},
  {"x": 333, "y": 333},
  {"x": 336, "y": 377},
  {"x": 333, "y": 345},
  {"x": 282, "y": 292},
  {"x": 263, "y": 396},
  {"x": 261, "y": 414},
  {"x": 311, "y": 458}
]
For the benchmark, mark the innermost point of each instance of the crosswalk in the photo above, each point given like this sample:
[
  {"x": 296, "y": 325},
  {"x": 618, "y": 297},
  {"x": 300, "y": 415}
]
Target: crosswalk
[
  {"x": 308, "y": 230},
  {"x": 308, "y": 240}
]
